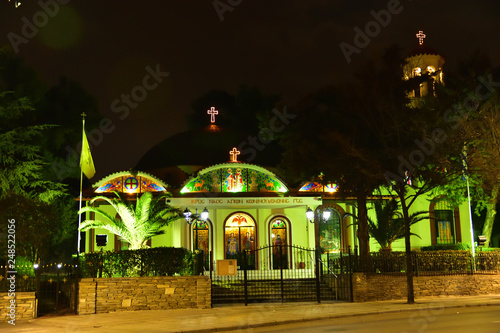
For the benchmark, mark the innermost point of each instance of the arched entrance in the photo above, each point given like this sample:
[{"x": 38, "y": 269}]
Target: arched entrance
[
  {"x": 239, "y": 235},
  {"x": 279, "y": 233},
  {"x": 202, "y": 240}
]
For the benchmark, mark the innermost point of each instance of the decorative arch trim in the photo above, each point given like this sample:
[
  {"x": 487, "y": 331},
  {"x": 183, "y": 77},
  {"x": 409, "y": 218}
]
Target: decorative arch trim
[
  {"x": 130, "y": 182},
  {"x": 234, "y": 177}
]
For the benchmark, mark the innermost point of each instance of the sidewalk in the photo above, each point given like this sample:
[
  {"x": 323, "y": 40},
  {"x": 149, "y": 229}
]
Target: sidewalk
[{"x": 226, "y": 317}]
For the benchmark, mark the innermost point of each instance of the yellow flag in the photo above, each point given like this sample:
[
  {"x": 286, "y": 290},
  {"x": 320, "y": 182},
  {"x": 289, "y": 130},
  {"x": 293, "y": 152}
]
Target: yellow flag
[{"x": 86, "y": 162}]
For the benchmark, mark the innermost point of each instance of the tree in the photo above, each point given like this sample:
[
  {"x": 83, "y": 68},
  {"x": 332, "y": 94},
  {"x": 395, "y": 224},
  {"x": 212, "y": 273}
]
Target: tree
[
  {"x": 136, "y": 223},
  {"x": 387, "y": 226},
  {"x": 483, "y": 147},
  {"x": 37, "y": 205},
  {"x": 43, "y": 230},
  {"x": 473, "y": 109},
  {"x": 21, "y": 164}
]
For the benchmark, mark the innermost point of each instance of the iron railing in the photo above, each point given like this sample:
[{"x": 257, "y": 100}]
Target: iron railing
[{"x": 423, "y": 263}]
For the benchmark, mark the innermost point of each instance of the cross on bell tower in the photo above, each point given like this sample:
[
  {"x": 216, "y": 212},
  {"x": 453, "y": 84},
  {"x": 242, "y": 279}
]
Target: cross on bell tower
[{"x": 420, "y": 37}]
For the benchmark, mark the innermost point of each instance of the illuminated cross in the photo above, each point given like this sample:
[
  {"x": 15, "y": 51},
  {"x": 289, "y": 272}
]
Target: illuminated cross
[
  {"x": 212, "y": 112},
  {"x": 234, "y": 154},
  {"x": 420, "y": 37}
]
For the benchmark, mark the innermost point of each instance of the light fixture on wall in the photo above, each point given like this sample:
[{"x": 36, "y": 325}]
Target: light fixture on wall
[
  {"x": 190, "y": 217},
  {"x": 310, "y": 215}
]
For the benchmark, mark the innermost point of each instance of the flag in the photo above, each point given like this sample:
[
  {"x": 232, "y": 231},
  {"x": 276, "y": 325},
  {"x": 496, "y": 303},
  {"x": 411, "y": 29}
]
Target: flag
[{"x": 86, "y": 162}]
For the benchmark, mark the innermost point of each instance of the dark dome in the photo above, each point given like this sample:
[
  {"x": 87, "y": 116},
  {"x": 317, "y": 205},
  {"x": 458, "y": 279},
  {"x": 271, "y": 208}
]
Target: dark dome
[
  {"x": 421, "y": 49},
  {"x": 207, "y": 146}
]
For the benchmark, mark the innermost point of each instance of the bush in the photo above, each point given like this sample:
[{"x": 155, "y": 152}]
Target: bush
[
  {"x": 445, "y": 247},
  {"x": 144, "y": 262}
]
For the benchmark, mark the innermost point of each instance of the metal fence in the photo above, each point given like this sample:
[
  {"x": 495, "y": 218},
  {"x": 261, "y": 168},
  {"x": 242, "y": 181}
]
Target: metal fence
[
  {"x": 282, "y": 273},
  {"x": 55, "y": 287},
  {"x": 423, "y": 263}
]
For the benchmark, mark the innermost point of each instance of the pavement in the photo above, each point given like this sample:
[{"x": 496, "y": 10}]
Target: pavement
[{"x": 236, "y": 316}]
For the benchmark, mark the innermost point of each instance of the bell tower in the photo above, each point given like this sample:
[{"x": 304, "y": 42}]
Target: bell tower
[{"x": 424, "y": 67}]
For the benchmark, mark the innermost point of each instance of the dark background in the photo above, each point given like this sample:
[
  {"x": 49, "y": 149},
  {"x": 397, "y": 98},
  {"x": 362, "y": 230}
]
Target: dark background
[{"x": 289, "y": 48}]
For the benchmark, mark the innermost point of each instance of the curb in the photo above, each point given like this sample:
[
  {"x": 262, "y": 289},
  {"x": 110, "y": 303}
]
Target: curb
[{"x": 346, "y": 315}]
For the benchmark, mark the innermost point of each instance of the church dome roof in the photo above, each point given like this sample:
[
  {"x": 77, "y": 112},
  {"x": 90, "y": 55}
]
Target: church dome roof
[
  {"x": 207, "y": 146},
  {"x": 421, "y": 50}
]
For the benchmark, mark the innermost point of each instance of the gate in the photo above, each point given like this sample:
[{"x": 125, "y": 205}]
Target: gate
[
  {"x": 56, "y": 289},
  {"x": 279, "y": 273}
]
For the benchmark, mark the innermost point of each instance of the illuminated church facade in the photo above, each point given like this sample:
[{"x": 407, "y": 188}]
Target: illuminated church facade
[{"x": 250, "y": 206}]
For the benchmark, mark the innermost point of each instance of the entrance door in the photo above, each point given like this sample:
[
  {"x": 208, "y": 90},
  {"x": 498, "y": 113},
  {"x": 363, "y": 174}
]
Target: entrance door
[
  {"x": 239, "y": 235},
  {"x": 201, "y": 240}
]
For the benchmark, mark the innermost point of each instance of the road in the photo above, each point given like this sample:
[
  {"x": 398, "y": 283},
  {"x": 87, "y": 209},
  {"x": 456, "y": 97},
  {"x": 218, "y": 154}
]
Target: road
[{"x": 484, "y": 319}]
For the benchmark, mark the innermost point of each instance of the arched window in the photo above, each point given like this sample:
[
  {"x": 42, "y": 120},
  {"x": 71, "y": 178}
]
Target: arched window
[
  {"x": 329, "y": 231},
  {"x": 239, "y": 235},
  {"x": 279, "y": 236}
]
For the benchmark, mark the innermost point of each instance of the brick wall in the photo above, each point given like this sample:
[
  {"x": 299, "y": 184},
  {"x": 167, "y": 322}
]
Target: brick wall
[
  {"x": 143, "y": 293},
  {"x": 26, "y": 304},
  {"x": 376, "y": 287}
]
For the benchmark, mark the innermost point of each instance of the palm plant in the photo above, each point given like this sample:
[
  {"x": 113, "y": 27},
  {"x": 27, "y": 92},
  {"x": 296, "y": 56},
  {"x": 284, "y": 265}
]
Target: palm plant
[
  {"x": 388, "y": 228},
  {"x": 135, "y": 224}
]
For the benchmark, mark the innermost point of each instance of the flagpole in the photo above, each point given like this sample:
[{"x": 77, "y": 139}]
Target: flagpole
[
  {"x": 471, "y": 227},
  {"x": 81, "y": 186},
  {"x": 465, "y": 171}
]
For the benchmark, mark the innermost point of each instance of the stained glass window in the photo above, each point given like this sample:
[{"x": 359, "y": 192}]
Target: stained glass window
[
  {"x": 124, "y": 182},
  {"x": 329, "y": 232},
  {"x": 279, "y": 237},
  {"x": 234, "y": 177},
  {"x": 239, "y": 235}
]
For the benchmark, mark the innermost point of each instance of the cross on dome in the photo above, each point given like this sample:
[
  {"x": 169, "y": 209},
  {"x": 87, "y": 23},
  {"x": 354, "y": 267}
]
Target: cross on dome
[
  {"x": 234, "y": 154},
  {"x": 212, "y": 112},
  {"x": 420, "y": 37}
]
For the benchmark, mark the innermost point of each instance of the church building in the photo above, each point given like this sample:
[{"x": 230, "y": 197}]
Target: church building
[{"x": 250, "y": 206}]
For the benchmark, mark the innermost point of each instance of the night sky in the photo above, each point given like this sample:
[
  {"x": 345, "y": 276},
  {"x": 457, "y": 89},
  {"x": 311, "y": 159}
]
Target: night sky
[{"x": 289, "y": 48}]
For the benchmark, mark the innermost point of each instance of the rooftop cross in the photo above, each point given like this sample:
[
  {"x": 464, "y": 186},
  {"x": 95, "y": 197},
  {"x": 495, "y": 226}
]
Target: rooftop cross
[
  {"x": 234, "y": 154},
  {"x": 420, "y": 37},
  {"x": 212, "y": 112}
]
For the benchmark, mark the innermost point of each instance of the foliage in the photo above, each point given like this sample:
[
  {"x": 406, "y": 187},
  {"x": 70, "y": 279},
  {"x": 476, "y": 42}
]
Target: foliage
[
  {"x": 386, "y": 228},
  {"x": 432, "y": 262},
  {"x": 444, "y": 247},
  {"x": 42, "y": 229},
  {"x": 136, "y": 223},
  {"x": 21, "y": 164},
  {"x": 142, "y": 262}
]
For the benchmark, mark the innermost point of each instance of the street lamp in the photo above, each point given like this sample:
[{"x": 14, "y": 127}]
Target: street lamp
[{"x": 190, "y": 217}]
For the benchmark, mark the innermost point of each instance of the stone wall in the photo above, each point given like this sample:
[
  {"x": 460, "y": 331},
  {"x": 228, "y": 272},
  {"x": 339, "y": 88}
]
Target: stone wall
[
  {"x": 26, "y": 306},
  {"x": 143, "y": 293},
  {"x": 379, "y": 287}
]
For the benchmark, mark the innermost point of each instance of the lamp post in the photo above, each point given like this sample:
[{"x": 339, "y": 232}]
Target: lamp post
[
  {"x": 324, "y": 217},
  {"x": 191, "y": 218}
]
